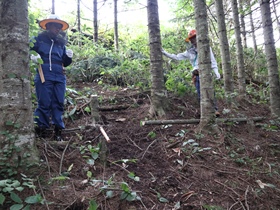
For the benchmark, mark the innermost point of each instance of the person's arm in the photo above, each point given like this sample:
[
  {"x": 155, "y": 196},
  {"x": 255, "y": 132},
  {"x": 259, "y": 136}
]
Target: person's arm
[
  {"x": 67, "y": 57},
  {"x": 214, "y": 65},
  {"x": 181, "y": 56}
]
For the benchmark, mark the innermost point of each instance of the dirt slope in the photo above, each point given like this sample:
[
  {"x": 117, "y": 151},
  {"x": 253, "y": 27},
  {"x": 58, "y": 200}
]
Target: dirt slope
[{"x": 170, "y": 166}]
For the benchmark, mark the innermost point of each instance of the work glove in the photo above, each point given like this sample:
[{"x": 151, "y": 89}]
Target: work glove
[
  {"x": 218, "y": 76},
  {"x": 69, "y": 53},
  {"x": 35, "y": 58}
]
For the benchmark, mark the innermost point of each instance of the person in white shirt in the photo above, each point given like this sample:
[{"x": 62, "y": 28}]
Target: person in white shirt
[{"x": 192, "y": 55}]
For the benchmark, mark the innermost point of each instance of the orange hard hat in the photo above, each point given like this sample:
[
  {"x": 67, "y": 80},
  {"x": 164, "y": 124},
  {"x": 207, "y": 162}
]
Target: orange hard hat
[{"x": 192, "y": 34}]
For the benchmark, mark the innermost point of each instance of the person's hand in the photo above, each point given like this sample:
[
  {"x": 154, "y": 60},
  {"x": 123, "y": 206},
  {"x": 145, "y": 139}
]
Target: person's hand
[
  {"x": 35, "y": 58},
  {"x": 69, "y": 53},
  {"x": 218, "y": 76}
]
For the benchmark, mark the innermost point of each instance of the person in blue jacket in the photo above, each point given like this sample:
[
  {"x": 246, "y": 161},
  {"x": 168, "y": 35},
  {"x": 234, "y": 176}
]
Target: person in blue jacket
[
  {"x": 191, "y": 54},
  {"x": 51, "y": 85}
]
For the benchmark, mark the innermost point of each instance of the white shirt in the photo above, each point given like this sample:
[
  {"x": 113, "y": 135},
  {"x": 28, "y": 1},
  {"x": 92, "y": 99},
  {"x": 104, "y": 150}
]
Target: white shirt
[{"x": 192, "y": 55}]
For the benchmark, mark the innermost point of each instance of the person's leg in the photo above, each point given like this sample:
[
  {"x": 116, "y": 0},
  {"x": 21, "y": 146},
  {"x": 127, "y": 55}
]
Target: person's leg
[
  {"x": 197, "y": 86},
  {"x": 58, "y": 108},
  {"x": 41, "y": 113}
]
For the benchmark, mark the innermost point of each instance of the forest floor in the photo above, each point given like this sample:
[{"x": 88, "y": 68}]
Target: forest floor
[{"x": 161, "y": 167}]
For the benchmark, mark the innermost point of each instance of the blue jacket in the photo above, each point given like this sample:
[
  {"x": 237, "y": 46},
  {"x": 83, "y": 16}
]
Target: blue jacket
[{"x": 53, "y": 53}]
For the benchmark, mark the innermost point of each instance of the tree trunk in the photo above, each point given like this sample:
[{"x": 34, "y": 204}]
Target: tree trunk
[
  {"x": 16, "y": 117},
  {"x": 271, "y": 58},
  {"x": 95, "y": 25},
  {"x": 276, "y": 16},
  {"x": 239, "y": 50},
  {"x": 207, "y": 119},
  {"x": 242, "y": 21},
  {"x": 255, "y": 47},
  {"x": 53, "y": 7},
  {"x": 79, "y": 15},
  {"x": 224, "y": 49},
  {"x": 116, "y": 33},
  {"x": 158, "y": 93},
  {"x": 253, "y": 29}
]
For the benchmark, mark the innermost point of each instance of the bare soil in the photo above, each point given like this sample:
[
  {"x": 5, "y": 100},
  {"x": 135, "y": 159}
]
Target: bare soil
[{"x": 170, "y": 166}]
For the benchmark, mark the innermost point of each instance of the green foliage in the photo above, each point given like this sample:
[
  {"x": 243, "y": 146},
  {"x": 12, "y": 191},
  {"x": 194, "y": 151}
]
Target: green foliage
[
  {"x": 92, "y": 205},
  {"x": 93, "y": 62},
  {"x": 9, "y": 194},
  {"x": 152, "y": 134},
  {"x": 127, "y": 194},
  {"x": 90, "y": 152},
  {"x": 273, "y": 125},
  {"x": 110, "y": 186},
  {"x": 10, "y": 154},
  {"x": 190, "y": 147}
]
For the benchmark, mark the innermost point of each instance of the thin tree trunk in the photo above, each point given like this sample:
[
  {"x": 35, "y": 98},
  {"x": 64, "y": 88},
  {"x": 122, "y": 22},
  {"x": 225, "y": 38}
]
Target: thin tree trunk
[
  {"x": 271, "y": 58},
  {"x": 53, "y": 6},
  {"x": 79, "y": 15},
  {"x": 95, "y": 25},
  {"x": 239, "y": 50},
  {"x": 242, "y": 21},
  {"x": 276, "y": 16},
  {"x": 253, "y": 29},
  {"x": 224, "y": 48},
  {"x": 207, "y": 119},
  {"x": 158, "y": 92},
  {"x": 116, "y": 33}
]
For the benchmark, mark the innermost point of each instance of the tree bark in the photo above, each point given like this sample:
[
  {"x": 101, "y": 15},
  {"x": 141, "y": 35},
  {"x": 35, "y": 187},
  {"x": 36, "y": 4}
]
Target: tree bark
[
  {"x": 95, "y": 25},
  {"x": 159, "y": 100},
  {"x": 239, "y": 51},
  {"x": 224, "y": 49},
  {"x": 196, "y": 121},
  {"x": 271, "y": 58},
  {"x": 242, "y": 21},
  {"x": 207, "y": 120},
  {"x": 16, "y": 117},
  {"x": 116, "y": 33}
]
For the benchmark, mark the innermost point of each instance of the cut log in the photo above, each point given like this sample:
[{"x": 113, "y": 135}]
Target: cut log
[{"x": 196, "y": 121}]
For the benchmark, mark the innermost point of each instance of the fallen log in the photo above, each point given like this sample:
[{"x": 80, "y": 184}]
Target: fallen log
[{"x": 196, "y": 121}]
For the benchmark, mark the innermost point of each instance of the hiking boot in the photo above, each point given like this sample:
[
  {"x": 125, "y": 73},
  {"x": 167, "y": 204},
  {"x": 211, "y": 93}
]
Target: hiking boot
[
  {"x": 40, "y": 132},
  {"x": 57, "y": 134},
  {"x": 217, "y": 114}
]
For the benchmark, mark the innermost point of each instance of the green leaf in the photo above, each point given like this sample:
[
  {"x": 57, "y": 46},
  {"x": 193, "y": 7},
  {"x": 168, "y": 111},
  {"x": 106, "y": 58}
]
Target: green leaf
[
  {"x": 92, "y": 205},
  {"x": 15, "y": 198},
  {"x": 131, "y": 197},
  {"x": 109, "y": 194},
  {"x": 33, "y": 199},
  {"x": 19, "y": 188},
  {"x": 125, "y": 187},
  {"x": 11, "y": 75},
  {"x": 89, "y": 174},
  {"x": 2, "y": 199},
  {"x": 73, "y": 111},
  {"x": 16, "y": 207},
  {"x": 26, "y": 207},
  {"x": 8, "y": 189},
  {"x": 3, "y": 182},
  {"x": 163, "y": 200},
  {"x": 90, "y": 161},
  {"x": 9, "y": 123},
  {"x": 87, "y": 109}
]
